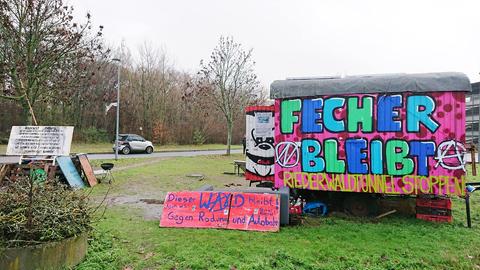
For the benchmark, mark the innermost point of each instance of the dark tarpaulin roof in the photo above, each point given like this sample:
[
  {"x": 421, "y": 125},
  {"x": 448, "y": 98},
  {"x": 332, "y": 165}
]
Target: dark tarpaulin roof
[{"x": 384, "y": 83}]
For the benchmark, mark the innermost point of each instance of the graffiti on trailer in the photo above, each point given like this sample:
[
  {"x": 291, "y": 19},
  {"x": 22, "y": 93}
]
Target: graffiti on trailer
[
  {"x": 400, "y": 143},
  {"x": 259, "y": 143}
]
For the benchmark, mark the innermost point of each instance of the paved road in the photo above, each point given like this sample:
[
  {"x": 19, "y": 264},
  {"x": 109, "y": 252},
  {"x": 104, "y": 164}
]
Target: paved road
[{"x": 14, "y": 159}]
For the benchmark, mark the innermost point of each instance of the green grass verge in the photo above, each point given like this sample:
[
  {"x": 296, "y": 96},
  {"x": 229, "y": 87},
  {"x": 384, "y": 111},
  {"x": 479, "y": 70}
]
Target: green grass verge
[
  {"x": 156, "y": 177},
  {"x": 107, "y": 147},
  {"x": 123, "y": 237},
  {"x": 123, "y": 163},
  {"x": 333, "y": 243}
]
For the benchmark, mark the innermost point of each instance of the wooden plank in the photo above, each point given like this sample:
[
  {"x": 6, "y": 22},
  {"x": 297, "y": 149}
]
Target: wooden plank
[
  {"x": 386, "y": 214},
  {"x": 52, "y": 171},
  {"x": 87, "y": 170},
  {"x": 3, "y": 171},
  {"x": 70, "y": 172}
]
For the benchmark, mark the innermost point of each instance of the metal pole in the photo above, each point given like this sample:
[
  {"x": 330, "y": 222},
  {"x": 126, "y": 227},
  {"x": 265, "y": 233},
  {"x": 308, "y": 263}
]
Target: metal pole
[
  {"x": 467, "y": 209},
  {"x": 474, "y": 158},
  {"x": 118, "y": 108}
]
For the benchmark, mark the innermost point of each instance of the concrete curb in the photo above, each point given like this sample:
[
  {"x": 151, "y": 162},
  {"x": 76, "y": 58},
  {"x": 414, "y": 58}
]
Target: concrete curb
[
  {"x": 166, "y": 151},
  {"x": 50, "y": 255}
]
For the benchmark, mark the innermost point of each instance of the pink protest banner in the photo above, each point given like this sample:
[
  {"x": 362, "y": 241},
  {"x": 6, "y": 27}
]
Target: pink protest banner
[
  {"x": 227, "y": 210},
  {"x": 196, "y": 209},
  {"x": 399, "y": 143},
  {"x": 254, "y": 212}
]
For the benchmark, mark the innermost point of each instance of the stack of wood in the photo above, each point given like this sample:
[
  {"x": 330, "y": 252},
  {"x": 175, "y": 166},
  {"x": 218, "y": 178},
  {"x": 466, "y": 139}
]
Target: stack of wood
[
  {"x": 75, "y": 170},
  {"x": 13, "y": 171}
]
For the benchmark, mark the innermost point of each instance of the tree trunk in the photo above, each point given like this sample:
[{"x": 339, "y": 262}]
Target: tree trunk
[
  {"x": 26, "y": 115},
  {"x": 229, "y": 135}
]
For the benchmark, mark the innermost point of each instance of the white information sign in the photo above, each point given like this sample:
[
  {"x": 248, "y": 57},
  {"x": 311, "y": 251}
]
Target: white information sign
[
  {"x": 40, "y": 141},
  {"x": 263, "y": 123}
]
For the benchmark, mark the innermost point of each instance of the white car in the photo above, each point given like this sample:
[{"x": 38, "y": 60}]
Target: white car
[{"x": 129, "y": 143}]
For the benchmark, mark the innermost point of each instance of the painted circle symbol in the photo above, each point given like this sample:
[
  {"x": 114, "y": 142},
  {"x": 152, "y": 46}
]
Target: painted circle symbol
[
  {"x": 287, "y": 154},
  {"x": 450, "y": 155}
]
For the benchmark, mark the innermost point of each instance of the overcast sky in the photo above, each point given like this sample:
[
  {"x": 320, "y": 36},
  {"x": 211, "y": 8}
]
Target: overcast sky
[{"x": 302, "y": 38}]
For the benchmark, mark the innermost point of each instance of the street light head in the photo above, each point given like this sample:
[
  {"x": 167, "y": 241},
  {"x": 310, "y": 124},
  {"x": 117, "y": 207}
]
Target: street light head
[{"x": 116, "y": 60}]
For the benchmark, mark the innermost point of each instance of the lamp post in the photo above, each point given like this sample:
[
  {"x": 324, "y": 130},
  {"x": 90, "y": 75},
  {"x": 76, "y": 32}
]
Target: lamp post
[{"x": 118, "y": 107}]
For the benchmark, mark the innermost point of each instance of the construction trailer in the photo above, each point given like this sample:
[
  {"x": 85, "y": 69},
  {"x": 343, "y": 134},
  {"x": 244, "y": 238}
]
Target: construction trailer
[
  {"x": 359, "y": 143},
  {"x": 259, "y": 135}
]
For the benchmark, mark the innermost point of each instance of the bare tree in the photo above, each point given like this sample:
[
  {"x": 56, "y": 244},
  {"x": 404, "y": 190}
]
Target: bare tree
[
  {"x": 230, "y": 73},
  {"x": 44, "y": 55},
  {"x": 153, "y": 86}
]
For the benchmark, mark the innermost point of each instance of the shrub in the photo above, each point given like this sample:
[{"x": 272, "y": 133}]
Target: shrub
[
  {"x": 4, "y": 140},
  {"x": 94, "y": 135},
  {"x": 33, "y": 212},
  {"x": 160, "y": 133},
  {"x": 198, "y": 137}
]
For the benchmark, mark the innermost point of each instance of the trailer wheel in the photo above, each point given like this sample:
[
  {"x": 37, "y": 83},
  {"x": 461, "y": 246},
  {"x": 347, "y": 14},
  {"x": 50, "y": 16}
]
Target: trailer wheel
[{"x": 357, "y": 205}]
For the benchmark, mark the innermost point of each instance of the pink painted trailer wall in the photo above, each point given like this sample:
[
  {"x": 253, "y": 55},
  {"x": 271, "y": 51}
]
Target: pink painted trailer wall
[{"x": 390, "y": 134}]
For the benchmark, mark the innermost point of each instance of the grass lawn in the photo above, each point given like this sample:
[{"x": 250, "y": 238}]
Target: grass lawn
[
  {"x": 127, "y": 236},
  {"x": 107, "y": 147}
]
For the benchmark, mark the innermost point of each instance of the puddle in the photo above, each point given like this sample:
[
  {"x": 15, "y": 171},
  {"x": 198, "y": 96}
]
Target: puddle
[
  {"x": 152, "y": 208},
  {"x": 152, "y": 201}
]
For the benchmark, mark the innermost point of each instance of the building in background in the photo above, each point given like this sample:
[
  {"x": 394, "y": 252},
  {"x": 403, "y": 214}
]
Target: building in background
[{"x": 472, "y": 107}]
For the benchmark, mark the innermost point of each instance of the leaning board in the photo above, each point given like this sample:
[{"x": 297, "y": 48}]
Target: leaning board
[
  {"x": 70, "y": 172},
  {"x": 225, "y": 210},
  {"x": 87, "y": 170},
  {"x": 196, "y": 209},
  {"x": 254, "y": 212}
]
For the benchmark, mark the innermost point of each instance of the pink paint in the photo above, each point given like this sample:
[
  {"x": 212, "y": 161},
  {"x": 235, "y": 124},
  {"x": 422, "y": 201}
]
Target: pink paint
[
  {"x": 443, "y": 178},
  {"x": 259, "y": 212},
  {"x": 223, "y": 210},
  {"x": 182, "y": 209}
]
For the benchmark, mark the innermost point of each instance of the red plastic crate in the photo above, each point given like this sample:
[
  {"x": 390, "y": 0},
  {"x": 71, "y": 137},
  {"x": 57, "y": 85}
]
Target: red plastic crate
[
  {"x": 433, "y": 211},
  {"x": 434, "y": 203},
  {"x": 435, "y": 218},
  {"x": 295, "y": 210}
]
